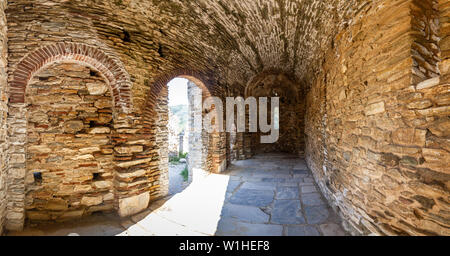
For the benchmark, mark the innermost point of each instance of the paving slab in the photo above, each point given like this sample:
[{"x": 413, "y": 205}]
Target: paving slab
[
  {"x": 232, "y": 185},
  {"x": 332, "y": 229},
  {"x": 244, "y": 213},
  {"x": 252, "y": 197},
  {"x": 307, "y": 189},
  {"x": 305, "y": 230},
  {"x": 259, "y": 185},
  {"x": 228, "y": 227},
  {"x": 316, "y": 214},
  {"x": 287, "y": 212},
  {"x": 312, "y": 199},
  {"x": 287, "y": 193}
]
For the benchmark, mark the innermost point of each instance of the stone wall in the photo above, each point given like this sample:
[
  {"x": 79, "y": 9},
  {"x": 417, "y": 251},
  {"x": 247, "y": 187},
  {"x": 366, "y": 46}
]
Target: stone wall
[
  {"x": 377, "y": 121},
  {"x": 195, "y": 157},
  {"x": 36, "y": 42},
  {"x": 160, "y": 185},
  {"x": 377, "y": 107},
  {"x": 3, "y": 115},
  {"x": 291, "y": 112},
  {"x": 69, "y": 168}
]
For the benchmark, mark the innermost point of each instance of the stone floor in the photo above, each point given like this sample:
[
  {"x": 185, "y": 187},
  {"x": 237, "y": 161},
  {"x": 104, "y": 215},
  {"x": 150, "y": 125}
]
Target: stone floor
[{"x": 268, "y": 195}]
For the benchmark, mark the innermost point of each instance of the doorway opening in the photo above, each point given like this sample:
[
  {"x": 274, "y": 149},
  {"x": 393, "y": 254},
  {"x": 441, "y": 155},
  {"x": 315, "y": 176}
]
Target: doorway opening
[{"x": 185, "y": 140}]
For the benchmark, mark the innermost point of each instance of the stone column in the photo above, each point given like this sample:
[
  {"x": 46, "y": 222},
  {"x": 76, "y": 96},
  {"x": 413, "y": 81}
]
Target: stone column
[
  {"x": 3, "y": 117},
  {"x": 180, "y": 143},
  {"x": 17, "y": 132},
  {"x": 195, "y": 159},
  {"x": 132, "y": 160}
]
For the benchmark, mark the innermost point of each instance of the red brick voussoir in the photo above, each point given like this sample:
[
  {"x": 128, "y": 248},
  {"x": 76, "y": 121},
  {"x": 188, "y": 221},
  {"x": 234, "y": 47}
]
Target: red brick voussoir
[{"x": 109, "y": 66}]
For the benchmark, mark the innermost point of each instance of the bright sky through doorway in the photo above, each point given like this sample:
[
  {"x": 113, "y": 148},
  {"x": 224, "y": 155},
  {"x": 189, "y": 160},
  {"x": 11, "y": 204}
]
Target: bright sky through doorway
[{"x": 178, "y": 91}]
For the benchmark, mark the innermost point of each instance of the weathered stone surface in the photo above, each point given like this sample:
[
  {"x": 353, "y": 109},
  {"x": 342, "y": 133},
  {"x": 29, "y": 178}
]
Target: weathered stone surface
[
  {"x": 39, "y": 117},
  {"x": 312, "y": 199},
  {"x": 102, "y": 184},
  {"x": 428, "y": 83},
  {"x": 375, "y": 108},
  {"x": 287, "y": 193},
  {"x": 98, "y": 130},
  {"x": 39, "y": 149},
  {"x": 229, "y": 227},
  {"x": 441, "y": 128},
  {"x": 244, "y": 213},
  {"x": 251, "y": 197},
  {"x": 62, "y": 150},
  {"x": 91, "y": 200},
  {"x": 388, "y": 137},
  {"x": 134, "y": 204},
  {"x": 331, "y": 229},
  {"x": 287, "y": 212},
  {"x": 103, "y": 103},
  {"x": 132, "y": 163},
  {"x": 316, "y": 214},
  {"x": 365, "y": 101},
  {"x": 302, "y": 231},
  {"x": 73, "y": 126},
  {"x": 96, "y": 88},
  {"x": 409, "y": 137},
  {"x": 128, "y": 149},
  {"x": 420, "y": 104}
]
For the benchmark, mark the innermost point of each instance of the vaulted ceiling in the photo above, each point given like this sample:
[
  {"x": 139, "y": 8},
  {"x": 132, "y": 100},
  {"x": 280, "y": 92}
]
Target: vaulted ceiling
[
  {"x": 234, "y": 38},
  {"x": 230, "y": 40}
]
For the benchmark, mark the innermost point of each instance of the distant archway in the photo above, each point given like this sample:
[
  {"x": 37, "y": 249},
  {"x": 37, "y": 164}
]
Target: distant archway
[{"x": 290, "y": 112}]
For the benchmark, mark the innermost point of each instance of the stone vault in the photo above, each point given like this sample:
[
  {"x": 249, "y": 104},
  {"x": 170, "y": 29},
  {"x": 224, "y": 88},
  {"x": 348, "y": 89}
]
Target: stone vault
[{"x": 363, "y": 86}]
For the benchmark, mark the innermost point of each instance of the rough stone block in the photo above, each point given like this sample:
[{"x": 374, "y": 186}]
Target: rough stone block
[
  {"x": 428, "y": 83},
  {"x": 73, "y": 126},
  {"x": 409, "y": 137},
  {"x": 131, "y": 205},
  {"x": 91, "y": 200},
  {"x": 375, "y": 108}
]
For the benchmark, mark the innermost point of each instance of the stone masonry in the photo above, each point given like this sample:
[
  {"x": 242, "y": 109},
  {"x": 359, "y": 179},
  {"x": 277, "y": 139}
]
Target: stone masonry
[
  {"x": 69, "y": 165},
  {"x": 3, "y": 115},
  {"x": 377, "y": 121},
  {"x": 363, "y": 87}
]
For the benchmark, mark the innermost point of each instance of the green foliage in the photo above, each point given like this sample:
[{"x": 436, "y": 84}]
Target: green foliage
[
  {"x": 174, "y": 159},
  {"x": 185, "y": 173}
]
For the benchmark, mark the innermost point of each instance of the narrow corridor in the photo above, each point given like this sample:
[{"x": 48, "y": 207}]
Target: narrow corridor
[{"x": 270, "y": 194}]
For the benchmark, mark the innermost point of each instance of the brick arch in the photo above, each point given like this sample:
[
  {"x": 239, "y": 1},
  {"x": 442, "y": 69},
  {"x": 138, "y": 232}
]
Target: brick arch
[
  {"x": 149, "y": 120},
  {"x": 109, "y": 66},
  {"x": 197, "y": 77}
]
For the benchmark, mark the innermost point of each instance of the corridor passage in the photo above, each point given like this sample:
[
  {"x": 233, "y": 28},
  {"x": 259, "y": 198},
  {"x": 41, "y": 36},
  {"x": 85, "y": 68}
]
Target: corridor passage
[{"x": 268, "y": 195}]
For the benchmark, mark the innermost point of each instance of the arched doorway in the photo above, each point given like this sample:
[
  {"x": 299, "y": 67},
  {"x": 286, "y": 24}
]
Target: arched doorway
[
  {"x": 91, "y": 70},
  {"x": 290, "y": 113},
  {"x": 69, "y": 153},
  {"x": 184, "y": 139},
  {"x": 204, "y": 152}
]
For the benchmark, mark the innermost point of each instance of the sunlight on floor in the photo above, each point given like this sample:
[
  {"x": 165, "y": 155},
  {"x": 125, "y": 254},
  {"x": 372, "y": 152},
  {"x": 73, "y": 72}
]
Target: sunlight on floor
[
  {"x": 195, "y": 211},
  {"x": 269, "y": 195}
]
